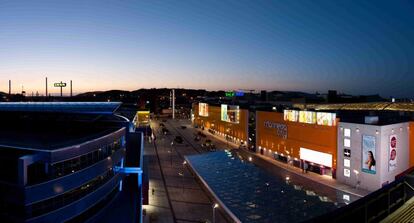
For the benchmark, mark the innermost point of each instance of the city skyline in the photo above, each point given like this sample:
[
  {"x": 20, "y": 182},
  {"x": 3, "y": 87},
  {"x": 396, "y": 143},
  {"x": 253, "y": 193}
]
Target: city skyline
[{"x": 353, "y": 47}]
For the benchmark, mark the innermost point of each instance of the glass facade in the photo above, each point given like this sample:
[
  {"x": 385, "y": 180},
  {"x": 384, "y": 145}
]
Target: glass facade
[
  {"x": 40, "y": 172},
  {"x": 67, "y": 198}
]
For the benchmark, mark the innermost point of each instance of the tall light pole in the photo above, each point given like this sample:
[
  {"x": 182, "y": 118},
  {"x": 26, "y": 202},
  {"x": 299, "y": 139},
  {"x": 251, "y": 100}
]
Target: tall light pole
[
  {"x": 215, "y": 205},
  {"x": 173, "y": 103},
  {"x": 46, "y": 87}
]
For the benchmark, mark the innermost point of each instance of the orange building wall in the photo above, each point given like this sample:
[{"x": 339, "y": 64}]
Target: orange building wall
[
  {"x": 411, "y": 138},
  {"x": 314, "y": 137},
  {"x": 213, "y": 121}
]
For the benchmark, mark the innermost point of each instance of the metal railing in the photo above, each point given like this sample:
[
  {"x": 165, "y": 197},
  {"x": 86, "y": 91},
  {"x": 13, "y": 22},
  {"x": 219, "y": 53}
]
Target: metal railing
[{"x": 375, "y": 206}]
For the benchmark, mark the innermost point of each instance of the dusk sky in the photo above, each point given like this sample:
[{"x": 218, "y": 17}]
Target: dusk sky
[{"x": 356, "y": 47}]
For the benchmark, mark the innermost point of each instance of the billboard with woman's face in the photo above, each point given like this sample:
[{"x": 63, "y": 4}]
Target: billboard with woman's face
[
  {"x": 392, "y": 159},
  {"x": 368, "y": 154}
]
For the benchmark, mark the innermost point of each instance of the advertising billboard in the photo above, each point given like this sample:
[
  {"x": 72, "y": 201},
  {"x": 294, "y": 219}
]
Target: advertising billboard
[
  {"x": 308, "y": 117},
  {"x": 368, "y": 154},
  {"x": 230, "y": 113},
  {"x": 325, "y": 118},
  {"x": 392, "y": 158},
  {"x": 291, "y": 115},
  {"x": 203, "y": 109}
]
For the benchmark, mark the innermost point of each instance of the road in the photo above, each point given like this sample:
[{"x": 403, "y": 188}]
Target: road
[{"x": 177, "y": 195}]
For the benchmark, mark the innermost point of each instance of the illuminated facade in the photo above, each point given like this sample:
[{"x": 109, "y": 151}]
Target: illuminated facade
[
  {"x": 229, "y": 121},
  {"x": 63, "y": 161},
  {"x": 296, "y": 137},
  {"x": 371, "y": 156}
]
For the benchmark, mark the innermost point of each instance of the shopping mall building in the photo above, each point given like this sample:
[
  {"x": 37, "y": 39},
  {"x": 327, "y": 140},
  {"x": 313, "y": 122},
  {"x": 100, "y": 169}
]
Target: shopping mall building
[
  {"x": 363, "y": 145},
  {"x": 229, "y": 121},
  {"x": 68, "y": 162}
]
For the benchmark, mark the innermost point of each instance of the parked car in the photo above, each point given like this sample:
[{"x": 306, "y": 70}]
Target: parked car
[
  {"x": 178, "y": 139},
  {"x": 208, "y": 142},
  {"x": 183, "y": 127},
  {"x": 197, "y": 138},
  {"x": 162, "y": 125}
]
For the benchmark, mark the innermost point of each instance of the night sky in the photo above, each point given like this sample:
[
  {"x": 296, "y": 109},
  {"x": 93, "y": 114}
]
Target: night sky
[{"x": 356, "y": 47}]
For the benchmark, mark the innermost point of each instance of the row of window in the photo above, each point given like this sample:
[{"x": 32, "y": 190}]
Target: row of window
[
  {"x": 62, "y": 200},
  {"x": 40, "y": 172}
]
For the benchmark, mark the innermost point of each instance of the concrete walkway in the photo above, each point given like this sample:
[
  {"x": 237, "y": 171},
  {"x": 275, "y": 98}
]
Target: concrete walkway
[
  {"x": 158, "y": 209},
  {"x": 325, "y": 180}
]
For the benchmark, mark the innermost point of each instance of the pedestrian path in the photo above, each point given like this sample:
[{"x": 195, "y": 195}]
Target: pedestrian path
[
  {"x": 326, "y": 180},
  {"x": 158, "y": 209}
]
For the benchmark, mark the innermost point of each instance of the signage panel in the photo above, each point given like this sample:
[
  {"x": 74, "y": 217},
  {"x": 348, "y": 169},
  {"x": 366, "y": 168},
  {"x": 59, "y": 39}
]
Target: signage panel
[
  {"x": 291, "y": 115},
  {"x": 230, "y": 113},
  {"x": 392, "y": 158},
  {"x": 325, "y": 118},
  {"x": 308, "y": 117},
  {"x": 203, "y": 109},
  {"x": 60, "y": 84},
  {"x": 368, "y": 154},
  {"x": 316, "y": 157}
]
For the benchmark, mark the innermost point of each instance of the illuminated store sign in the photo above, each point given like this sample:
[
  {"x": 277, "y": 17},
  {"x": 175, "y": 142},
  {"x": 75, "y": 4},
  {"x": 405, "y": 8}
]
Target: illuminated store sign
[
  {"x": 230, "y": 113},
  {"x": 291, "y": 115},
  {"x": 281, "y": 129},
  {"x": 324, "y": 118},
  {"x": 234, "y": 93},
  {"x": 308, "y": 117},
  {"x": 203, "y": 109},
  {"x": 316, "y": 157}
]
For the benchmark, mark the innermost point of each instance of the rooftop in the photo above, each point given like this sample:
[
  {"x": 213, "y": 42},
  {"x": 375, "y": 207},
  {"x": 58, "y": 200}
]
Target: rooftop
[
  {"x": 256, "y": 196},
  {"x": 372, "y": 106},
  {"x": 61, "y": 107}
]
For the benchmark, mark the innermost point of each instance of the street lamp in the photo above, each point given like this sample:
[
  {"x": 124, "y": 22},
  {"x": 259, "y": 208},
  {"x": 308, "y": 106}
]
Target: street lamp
[
  {"x": 172, "y": 147},
  {"x": 227, "y": 137},
  {"x": 215, "y": 205},
  {"x": 182, "y": 174}
]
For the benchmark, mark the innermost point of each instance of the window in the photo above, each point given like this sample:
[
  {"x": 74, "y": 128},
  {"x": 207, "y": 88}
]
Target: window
[
  {"x": 66, "y": 167},
  {"x": 59, "y": 201}
]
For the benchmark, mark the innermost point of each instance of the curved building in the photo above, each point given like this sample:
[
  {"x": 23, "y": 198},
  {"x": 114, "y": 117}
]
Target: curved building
[{"x": 61, "y": 162}]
